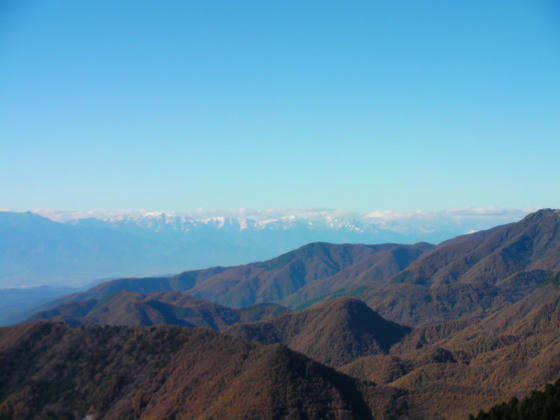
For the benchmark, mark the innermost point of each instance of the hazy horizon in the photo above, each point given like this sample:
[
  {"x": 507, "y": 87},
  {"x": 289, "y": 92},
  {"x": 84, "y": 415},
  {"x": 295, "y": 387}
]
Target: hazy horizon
[
  {"x": 72, "y": 248},
  {"x": 500, "y": 214}
]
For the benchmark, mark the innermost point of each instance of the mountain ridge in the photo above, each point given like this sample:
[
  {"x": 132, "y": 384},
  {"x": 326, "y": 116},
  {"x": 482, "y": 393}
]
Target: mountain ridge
[
  {"x": 162, "y": 372},
  {"x": 482, "y": 311},
  {"x": 169, "y": 308},
  {"x": 473, "y": 274},
  {"x": 334, "y": 332},
  {"x": 267, "y": 281},
  {"x": 74, "y": 248}
]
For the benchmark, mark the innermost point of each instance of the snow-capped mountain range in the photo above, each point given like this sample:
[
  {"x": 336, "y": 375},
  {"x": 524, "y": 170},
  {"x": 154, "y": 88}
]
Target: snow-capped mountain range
[
  {"x": 433, "y": 224},
  {"x": 74, "y": 247}
]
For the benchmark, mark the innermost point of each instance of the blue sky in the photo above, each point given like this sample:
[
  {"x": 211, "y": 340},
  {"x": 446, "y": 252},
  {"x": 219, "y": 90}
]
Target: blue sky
[{"x": 176, "y": 105}]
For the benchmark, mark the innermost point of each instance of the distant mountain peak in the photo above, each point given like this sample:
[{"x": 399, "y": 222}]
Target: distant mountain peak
[
  {"x": 99, "y": 244},
  {"x": 390, "y": 225},
  {"x": 264, "y": 217}
]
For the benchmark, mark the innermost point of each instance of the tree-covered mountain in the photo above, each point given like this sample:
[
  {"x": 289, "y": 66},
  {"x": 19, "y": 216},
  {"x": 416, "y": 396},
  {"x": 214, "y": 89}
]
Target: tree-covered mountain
[
  {"x": 473, "y": 275},
  {"x": 51, "y": 370},
  {"x": 418, "y": 284},
  {"x": 458, "y": 367},
  {"x": 280, "y": 278},
  {"x": 482, "y": 309},
  {"x": 539, "y": 405},
  {"x": 170, "y": 308},
  {"x": 334, "y": 333}
]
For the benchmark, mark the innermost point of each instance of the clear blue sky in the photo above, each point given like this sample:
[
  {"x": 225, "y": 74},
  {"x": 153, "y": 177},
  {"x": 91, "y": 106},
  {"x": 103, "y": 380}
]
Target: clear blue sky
[{"x": 175, "y": 105}]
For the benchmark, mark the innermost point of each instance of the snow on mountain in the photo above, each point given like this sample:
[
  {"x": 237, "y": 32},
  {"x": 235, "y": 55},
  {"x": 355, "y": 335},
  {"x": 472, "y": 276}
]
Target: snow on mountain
[
  {"x": 75, "y": 247},
  {"x": 434, "y": 225}
]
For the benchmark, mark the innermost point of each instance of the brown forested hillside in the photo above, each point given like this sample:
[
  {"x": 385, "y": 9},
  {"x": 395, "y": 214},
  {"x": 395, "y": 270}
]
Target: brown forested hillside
[
  {"x": 172, "y": 308},
  {"x": 334, "y": 332},
  {"x": 52, "y": 370}
]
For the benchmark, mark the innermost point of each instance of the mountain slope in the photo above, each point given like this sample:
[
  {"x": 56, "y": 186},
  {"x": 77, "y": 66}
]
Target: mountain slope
[
  {"x": 460, "y": 367},
  {"x": 171, "y": 308},
  {"x": 276, "y": 279},
  {"x": 74, "y": 248},
  {"x": 272, "y": 280},
  {"x": 55, "y": 371},
  {"x": 333, "y": 333},
  {"x": 376, "y": 268},
  {"x": 409, "y": 284},
  {"x": 35, "y": 250},
  {"x": 473, "y": 274},
  {"x": 494, "y": 255}
]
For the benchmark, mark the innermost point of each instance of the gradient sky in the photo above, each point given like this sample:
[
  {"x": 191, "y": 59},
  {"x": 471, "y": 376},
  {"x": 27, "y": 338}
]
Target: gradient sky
[{"x": 176, "y": 105}]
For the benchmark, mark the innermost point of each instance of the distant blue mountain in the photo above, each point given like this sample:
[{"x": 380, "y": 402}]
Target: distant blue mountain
[
  {"x": 78, "y": 248},
  {"x": 17, "y": 304}
]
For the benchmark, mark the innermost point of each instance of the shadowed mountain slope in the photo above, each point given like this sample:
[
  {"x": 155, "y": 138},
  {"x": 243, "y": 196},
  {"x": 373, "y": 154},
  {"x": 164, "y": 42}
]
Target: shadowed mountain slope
[
  {"x": 333, "y": 333},
  {"x": 374, "y": 269},
  {"x": 460, "y": 367},
  {"x": 277, "y": 279},
  {"x": 172, "y": 308},
  {"x": 493, "y": 255},
  {"x": 473, "y": 274},
  {"x": 50, "y": 370}
]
